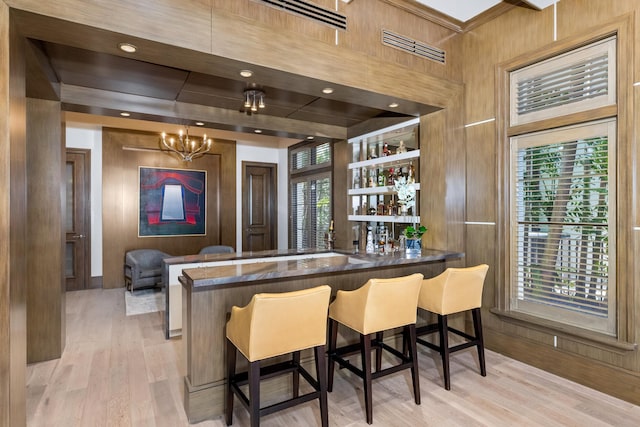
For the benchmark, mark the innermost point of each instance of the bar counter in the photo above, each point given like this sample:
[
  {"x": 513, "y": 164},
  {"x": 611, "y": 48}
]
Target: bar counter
[{"x": 208, "y": 293}]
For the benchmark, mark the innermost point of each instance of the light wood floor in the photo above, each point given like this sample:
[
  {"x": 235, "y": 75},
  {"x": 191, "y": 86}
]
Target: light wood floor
[{"x": 120, "y": 371}]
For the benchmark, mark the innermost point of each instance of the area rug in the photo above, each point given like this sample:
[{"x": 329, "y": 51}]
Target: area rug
[{"x": 143, "y": 301}]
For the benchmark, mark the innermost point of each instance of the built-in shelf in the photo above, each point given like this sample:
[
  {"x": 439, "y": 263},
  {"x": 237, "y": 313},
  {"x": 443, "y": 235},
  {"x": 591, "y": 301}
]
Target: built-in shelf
[
  {"x": 386, "y": 218},
  {"x": 392, "y": 160},
  {"x": 389, "y": 189}
]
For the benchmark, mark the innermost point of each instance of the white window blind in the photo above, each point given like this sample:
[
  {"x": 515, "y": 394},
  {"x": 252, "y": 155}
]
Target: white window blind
[
  {"x": 563, "y": 199},
  {"x": 310, "y": 195},
  {"x": 577, "y": 81}
]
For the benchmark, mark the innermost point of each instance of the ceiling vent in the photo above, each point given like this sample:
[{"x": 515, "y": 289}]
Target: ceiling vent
[
  {"x": 311, "y": 11},
  {"x": 413, "y": 46}
]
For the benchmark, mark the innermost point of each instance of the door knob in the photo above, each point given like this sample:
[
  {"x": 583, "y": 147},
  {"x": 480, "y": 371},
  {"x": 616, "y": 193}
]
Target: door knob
[{"x": 78, "y": 236}]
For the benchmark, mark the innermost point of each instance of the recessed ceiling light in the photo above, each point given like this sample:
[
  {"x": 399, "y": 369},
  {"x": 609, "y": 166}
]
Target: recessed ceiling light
[
  {"x": 327, "y": 90},
  {"x": 310, "y": 137},
  {"x": 246, "y": 73},
  {"x": 125, "y": 114},
  {"x": 199, "y": 124},
  {"x": 393, "y": 105},
  {"x": 257, "y": 131},
  {"x": 127, "y": 47}
]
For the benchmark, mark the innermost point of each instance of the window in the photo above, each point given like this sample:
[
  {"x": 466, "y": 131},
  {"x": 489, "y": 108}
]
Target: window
[
  {"x": 310, "y": 174},
  {"x": 563, "y": 190},
  {"x": 576, "y": 81},
  {"x": 563, "y": 194}
]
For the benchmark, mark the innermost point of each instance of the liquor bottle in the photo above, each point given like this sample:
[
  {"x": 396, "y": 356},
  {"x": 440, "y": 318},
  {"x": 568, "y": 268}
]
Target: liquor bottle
[
  {"x": 411, "y": 178},
  {"x": 390, "y": 177},
  {"x": 382, "y": 180}
]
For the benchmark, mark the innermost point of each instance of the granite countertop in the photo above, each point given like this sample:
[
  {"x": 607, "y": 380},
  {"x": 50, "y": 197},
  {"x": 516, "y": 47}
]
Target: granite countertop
[{"x": 294, "y": 263}]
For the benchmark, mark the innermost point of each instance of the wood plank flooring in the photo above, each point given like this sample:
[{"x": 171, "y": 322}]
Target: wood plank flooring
[{"x": 120, "y": 371}]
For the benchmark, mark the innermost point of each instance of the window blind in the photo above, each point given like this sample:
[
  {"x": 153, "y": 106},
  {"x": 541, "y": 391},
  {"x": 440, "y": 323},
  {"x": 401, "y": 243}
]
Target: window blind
[
  {"x": 562, "y": 234},
  {"x": 310, "y": 195},
  {"x": 580, "y": 80}
]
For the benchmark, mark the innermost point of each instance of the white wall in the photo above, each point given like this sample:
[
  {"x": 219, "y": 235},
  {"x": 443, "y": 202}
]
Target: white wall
[
  {"x": 247, "y": 151},
  {"x": 89, "y": 137}
]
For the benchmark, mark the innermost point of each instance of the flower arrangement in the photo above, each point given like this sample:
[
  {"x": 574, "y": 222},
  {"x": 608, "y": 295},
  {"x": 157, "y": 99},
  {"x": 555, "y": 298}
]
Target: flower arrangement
[
  {"x": 406, "y": 192},
  {"x": 414, "y": 232}
]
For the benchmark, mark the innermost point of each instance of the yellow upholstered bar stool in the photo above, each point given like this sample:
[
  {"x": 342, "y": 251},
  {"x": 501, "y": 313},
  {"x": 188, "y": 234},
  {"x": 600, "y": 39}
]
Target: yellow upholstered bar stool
[
  {"x": 273, "y": 325},
  {"x": 453, "y": 291},
  {"x": 377, "y": 306}
]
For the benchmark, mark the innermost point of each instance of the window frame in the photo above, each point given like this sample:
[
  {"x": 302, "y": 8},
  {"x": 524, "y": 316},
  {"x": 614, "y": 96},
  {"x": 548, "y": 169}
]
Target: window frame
[
  {"x": 554, "y": 136},
  {"x": 627, "y": 281}
]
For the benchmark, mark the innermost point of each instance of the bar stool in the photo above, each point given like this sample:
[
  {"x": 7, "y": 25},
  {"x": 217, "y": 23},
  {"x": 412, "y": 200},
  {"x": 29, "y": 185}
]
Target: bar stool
[
  {"x": 377, "y": 306},
  {"x": 454, "y": 291},
  {"x": 273, "y": 325}
]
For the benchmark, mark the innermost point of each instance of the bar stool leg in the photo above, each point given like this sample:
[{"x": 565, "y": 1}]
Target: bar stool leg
[
  {"x": 333, "y": 339},
  {"x": 413, "y": 354},
  {"x": 231, "y": 370},
  {"x": 321, "y": 375},
  {"x": 379, "y": 337},
  {"x": 365, "y": 345},
  {"x": 296, "y": 374},
  {"x": 254, "y": 393},
  {"x": 444, "y": 349},
  {"x": 477, "y": 325}
]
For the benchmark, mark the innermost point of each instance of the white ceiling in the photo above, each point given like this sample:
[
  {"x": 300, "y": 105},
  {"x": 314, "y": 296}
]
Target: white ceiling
[{"x": 464, "y": 10}]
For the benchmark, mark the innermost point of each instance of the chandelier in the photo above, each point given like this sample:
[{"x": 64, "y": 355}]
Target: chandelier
[
  {"x": 253, "y": 100},
  {"x": 185, "y": 146}
]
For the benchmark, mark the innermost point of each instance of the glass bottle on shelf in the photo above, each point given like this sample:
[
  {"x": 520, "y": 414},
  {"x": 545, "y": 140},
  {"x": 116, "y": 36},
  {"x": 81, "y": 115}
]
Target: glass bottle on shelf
[
  {"x": 385, "y": 149},
  {"x": 390, "y": 177},
  {"x": 369, "y": 248},
  {"x": 401, "y": 148},
  {"x": 382, "y": 179},
  {"x": 411, "y": 177}
]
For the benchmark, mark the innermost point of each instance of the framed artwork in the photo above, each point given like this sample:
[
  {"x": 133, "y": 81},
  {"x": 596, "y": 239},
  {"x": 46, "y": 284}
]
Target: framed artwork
[{"x": 172, "y": 202}]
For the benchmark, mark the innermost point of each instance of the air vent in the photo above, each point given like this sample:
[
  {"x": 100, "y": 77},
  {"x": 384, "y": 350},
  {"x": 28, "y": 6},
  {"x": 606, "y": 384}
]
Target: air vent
[
  {"x": 311, "y": 11},
  {"x": 413, "y": 46}
]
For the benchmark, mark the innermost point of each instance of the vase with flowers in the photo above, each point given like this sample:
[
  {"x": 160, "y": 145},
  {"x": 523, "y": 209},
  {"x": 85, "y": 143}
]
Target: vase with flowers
[{"x": 406, "y": 194}]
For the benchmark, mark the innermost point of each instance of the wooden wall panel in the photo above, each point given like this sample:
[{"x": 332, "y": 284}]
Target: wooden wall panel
[
  {"x": 45, "y": 234},
  {"x": 186, "y": 23},
  {"x": 519, "y": 30},
  {"x": 13, "y": 225},
  {"x": 363, "y": 32},
  {"x": 442, "y": 184},
  {"x": 481, "y": 172},
  {"x": 518, "y": 34},
  {"x": 120, "y": 198}
]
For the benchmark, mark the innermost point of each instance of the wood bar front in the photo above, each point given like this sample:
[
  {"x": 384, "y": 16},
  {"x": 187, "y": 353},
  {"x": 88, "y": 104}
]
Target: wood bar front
[{"x": 209, "y": 293}]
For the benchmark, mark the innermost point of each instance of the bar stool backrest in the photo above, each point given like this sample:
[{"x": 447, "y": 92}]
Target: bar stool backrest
[
  {"x": 454, "y": 290},
  {"x": 379, "y": 305},
  {"x": 279, "y": 323}
]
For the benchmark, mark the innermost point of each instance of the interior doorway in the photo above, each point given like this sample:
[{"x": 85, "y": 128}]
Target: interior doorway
[
  {"x": 259, "y": 206},
  {"x": 78, "y": 220}
]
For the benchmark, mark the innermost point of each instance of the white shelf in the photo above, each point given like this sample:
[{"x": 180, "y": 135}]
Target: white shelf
[
  {"x": 386, "y": 218},
  {"x": 389, "y": 189},
  {"x": 394, "y": 159}
]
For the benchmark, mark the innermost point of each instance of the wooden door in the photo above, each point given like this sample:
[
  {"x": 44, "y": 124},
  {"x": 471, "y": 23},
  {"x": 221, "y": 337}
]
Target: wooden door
[
  {"x": 259, "y": 206},
  {"x": 78, "y": 224}
]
